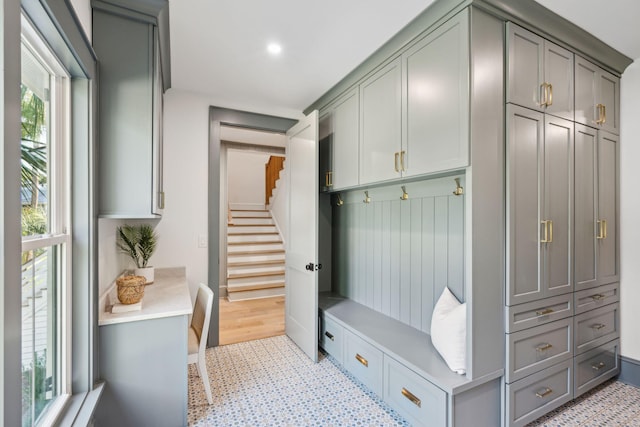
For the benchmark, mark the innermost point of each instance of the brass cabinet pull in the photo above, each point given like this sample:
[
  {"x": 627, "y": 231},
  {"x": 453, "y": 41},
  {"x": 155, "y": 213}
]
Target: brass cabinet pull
[
  {"x": 544, "y": 347},
  {"x": 550, "y": 99},
  {"x": 598, "y": 326},
  {"x": 602, "y": 114},
  {"x": 548, "y": 231},
  {"x": 328, "y": 179},
  {"x": 395, "y": 162},
  {"x": 547, "y": 391},
  {"x": 543, "y": 94},
  {"x": 402, "y": 153},
  {"x": 598, "y": 297},
  {"x": 161, "y": 200},
  {"x": 602, "y": 229},
  {"x": 598, "y": 366},
  {"x": 412, "y": 397},
  {"x": 329, "y": 335},
  {"x": 604, "y": 223},
  {"x": 362, "y": 360},
  {"x": 544, "y": 312}
]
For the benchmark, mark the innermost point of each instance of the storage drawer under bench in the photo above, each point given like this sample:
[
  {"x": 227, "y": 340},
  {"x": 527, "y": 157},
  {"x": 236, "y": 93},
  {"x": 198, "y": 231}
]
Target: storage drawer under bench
[
  {"x": 364, "y": 361},
  {"x": 331, "y": 337}
]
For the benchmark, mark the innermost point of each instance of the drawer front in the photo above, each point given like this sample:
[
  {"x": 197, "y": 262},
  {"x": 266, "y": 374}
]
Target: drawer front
[
  {"x": 537, "y": 394},
  {"x": 596, "y": 327},
  {"x": 536, "y": 313},
  {"x": 331, "y": 337},
  {"x": 413, "y": 397},
  {"x": 537, "y": 348},
  {"x": 593, "y": 298},
  {"x": 364, "y": 361},
  {"x": 596, "y": 366}
]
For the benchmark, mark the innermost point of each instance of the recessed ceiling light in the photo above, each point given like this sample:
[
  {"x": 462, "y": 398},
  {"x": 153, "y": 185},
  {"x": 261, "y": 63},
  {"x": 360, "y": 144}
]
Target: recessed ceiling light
[{"x": 274, "y": 48}]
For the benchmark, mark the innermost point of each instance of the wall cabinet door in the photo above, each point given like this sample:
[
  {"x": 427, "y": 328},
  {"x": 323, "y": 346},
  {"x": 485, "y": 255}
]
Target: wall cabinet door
[
  {"x": 436, "y": 109},
  {"x": 130, "y": 138},
  {"x": 325, "y": 151},
  {"x": 540, "y": 182},
  {"x": 345, "y": 141},
  {"x": 596, "y": 201},
  {"x": 597, "y": 96},
  {"x": 539, "y": 73},
  {"x": 381, "y": 156}
]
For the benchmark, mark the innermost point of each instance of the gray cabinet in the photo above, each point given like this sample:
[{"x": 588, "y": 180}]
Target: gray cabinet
[
  {"x": 130, "y": 111},
  {"x": 339, "y": 138},
  {"x": 596, "y": 200},
  {"x": 381, "y": 155},
  {"x": 540, "y": 73},
  {"x": 597, "y": 96},
  {"x": 539, "y": 205},
  {"x": 436, "y": 109}
]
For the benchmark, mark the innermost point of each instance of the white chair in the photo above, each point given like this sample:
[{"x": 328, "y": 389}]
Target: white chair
[{"x": 198, "y": 332}]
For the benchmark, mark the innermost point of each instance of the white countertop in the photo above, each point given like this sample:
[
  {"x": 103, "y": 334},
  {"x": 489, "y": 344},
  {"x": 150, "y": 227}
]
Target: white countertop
[{"x": 167, "y": 296}]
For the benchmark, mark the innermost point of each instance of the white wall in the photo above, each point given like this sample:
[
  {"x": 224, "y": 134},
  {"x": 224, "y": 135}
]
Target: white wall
[
  {"x": 246, "y": 177},
  {"x": 630, "y": 212},
  {"x": 83, "y": 10}
]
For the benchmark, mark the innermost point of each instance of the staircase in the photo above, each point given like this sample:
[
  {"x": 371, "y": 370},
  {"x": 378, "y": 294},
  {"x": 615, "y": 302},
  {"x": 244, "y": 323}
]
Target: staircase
[{"x": 255, "y": 256}]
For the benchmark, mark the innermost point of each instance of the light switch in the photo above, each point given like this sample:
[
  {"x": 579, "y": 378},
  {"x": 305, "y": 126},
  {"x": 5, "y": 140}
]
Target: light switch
[{"x": 202, "y": 241}]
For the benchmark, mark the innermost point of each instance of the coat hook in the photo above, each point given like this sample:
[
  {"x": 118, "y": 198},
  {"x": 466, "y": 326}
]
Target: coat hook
[
  {"x": 339, "y": 202},
  {"x": 459, "y": 191},
  {"x": 405, "y": 195},
  {"x": 367, "y": 199}
]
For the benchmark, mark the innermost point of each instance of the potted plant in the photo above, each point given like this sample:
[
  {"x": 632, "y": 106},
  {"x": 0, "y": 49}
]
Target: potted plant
[{"x": 139, "y": 242}]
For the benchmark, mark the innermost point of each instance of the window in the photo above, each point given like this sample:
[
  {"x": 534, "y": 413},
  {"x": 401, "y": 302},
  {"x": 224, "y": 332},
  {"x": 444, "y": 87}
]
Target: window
[{"x": 46, "y": 242}]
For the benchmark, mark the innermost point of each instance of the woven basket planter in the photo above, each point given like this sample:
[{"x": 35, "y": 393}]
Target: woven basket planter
[{"x": 130, "y": 289}]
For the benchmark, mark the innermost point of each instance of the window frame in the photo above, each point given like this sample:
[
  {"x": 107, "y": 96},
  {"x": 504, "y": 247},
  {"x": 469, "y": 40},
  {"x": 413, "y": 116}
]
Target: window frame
[{"x": 59, "y": 200}]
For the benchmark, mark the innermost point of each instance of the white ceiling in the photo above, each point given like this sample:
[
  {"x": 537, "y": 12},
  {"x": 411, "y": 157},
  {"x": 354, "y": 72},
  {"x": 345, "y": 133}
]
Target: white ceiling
[{"x": 218, "y": 47}]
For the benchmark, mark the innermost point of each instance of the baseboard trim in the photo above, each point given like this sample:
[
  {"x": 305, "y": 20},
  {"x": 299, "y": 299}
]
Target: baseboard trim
[{"x": 629, "y": 371}]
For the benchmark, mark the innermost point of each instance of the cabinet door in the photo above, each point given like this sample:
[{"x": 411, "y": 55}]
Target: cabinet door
[
  {"x": 558, "y": 206},
  {"x": 525, "y": 138},
  {"x": 436, "y": 72},
  {"x": 585, "y": 206},
  {"x": 158, "y": 138},
  {"x": 345, "y": 141},
  {"x": 586, "y": 75},
  {"x": 325, "y": 150},
  {"x": 525, "y": 71},
  {"x": 380, "y": 124},
  {"x": 558, "y": 75},
  {"x": 609, "y": 98},
  {"x": 607, "y": 233}
]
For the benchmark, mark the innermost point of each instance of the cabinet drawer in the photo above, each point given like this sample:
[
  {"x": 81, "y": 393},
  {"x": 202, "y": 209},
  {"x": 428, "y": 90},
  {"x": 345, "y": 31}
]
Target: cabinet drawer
[
  {"x": 331, "y": 337},
  {"x": 596, "y": 327},
  {"x": 364, "y": 361},
  {"x": 537, "y": 394},
  {"x": 415, "y": 398},
  {"x": 535, "y": 313},
  {"x": 590, "y": 299},
  {"x": 537, "y": 348},
  {"x": 596, "y": 366}
]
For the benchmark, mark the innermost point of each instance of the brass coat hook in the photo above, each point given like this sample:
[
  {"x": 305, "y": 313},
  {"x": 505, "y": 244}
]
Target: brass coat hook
[
  {"x": 367, "y": 199},
  {"x": 459, "y": 191},
  {"x": 405, "y": 195},
  {"x": 339, "y": 201}
]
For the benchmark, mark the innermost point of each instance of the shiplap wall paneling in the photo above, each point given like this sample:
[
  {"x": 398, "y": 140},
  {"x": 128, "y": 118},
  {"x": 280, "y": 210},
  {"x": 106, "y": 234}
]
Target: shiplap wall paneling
[{"x": 396, "y": 256}]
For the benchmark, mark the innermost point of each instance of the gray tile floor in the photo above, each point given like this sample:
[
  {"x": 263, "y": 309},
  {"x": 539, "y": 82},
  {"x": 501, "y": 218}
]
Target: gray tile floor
[{"x": 270, "y": 382}]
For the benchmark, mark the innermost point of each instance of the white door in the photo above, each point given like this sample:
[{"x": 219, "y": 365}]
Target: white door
[{"x": 301, "y": 277}]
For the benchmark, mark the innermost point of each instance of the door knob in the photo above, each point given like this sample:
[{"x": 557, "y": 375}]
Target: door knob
[{"x": 313, "y": 267}]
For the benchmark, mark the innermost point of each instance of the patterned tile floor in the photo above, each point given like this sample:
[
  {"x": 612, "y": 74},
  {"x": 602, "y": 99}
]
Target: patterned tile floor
[{"x": 270, "y": 382}]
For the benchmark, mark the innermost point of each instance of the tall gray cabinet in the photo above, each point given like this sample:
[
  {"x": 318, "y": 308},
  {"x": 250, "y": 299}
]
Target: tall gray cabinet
[
  {"x": 131, "y": 84},
  {"x": 487, "y": 161}
]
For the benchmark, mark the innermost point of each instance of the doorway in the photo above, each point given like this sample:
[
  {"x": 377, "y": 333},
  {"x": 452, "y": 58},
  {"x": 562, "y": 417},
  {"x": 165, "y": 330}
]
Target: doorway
[
  {"x": 217, "y": 210},
  {"x": 252, "y": 256}
]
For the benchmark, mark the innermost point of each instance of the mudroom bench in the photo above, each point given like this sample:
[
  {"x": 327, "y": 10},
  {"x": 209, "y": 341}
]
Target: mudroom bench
[{"x": 400, "y": 364}]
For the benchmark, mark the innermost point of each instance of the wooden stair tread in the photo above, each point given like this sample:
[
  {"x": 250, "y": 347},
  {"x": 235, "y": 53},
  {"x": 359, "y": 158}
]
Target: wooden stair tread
[
  {"x": 257, "y": 274},
  {"x": 249, "y": 233},
  {"x": 256, "y": 263},
  {"x": 249, "y": 210},
  {"x": 250, "y": 243},
  {"x": 258, "y": 252},
  {"x": 249, "y": 225},
  {"x": 254, "y": 287}
]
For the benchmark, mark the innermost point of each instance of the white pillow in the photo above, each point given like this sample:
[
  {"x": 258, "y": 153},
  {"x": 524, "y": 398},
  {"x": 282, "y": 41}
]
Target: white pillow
[{"x": 449, "y": 331}]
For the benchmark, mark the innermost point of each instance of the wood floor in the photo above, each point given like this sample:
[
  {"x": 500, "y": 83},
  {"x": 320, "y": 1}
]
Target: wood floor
[{"x": 251, "y": 320}]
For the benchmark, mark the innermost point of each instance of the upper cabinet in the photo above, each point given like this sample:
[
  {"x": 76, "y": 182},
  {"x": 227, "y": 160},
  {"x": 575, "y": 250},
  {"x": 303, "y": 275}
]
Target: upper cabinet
[
  {"x": 540, "y": 73},
  {"x": 338, "y": 142},
  {"x": 597, "y": 97},
  {"x": 130, "y": 113},
  {"x": 381, "y": 154}
]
